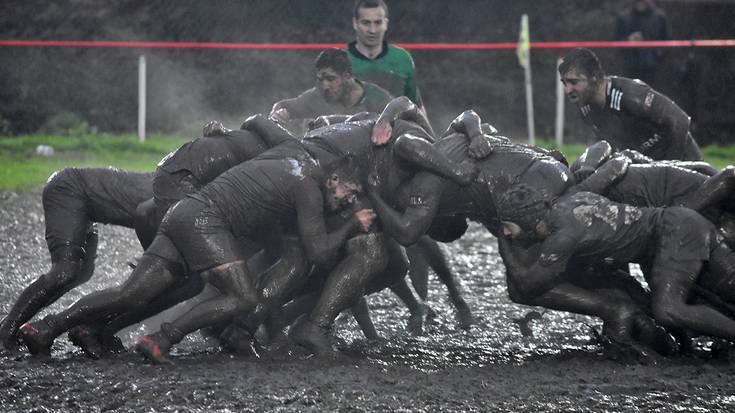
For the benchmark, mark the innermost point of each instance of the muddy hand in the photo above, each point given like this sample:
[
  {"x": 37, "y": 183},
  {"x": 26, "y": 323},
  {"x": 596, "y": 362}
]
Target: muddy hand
[
  {"x": 381, "y": 133},
  {"x": 366, "y": 218},
  {"x": 281, "y": 115},
  {"x": 480, "y": 147},
  {"x": 214, "y": 128}
]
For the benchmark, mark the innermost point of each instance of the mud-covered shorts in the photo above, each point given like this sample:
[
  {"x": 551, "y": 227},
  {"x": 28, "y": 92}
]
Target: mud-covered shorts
[
  {"x": 196, "y": 229},
  {"x": 684, "y": 237},
  {"x": 67, "y": 217}
]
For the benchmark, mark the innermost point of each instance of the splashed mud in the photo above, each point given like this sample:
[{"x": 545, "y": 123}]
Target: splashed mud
[{"x": 491, "y": 367}]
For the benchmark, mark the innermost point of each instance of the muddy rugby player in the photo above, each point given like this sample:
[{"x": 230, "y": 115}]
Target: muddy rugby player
[
  {"x": 627, "y": 112},
  {"x": 671, "y": 244},
  {"x": 73, "y": 200}
]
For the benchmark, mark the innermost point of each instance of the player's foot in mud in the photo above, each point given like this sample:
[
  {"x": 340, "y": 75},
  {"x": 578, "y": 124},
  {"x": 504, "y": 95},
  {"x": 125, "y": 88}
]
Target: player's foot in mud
[
  {"x": 654, "y": 336},
  {"x": 416, "y": 321},
  {"x": 237, "y": 340},
  {"x": 623, "y": 351},
  {"x": 308, "y": 334},
  {"x": 9, "y": 346},
  {"x": 86, "y": 339},
  {"x": 37, "y": 337},
  {"x": 465, "y": 319},
  {"x": 154, "y": 347}
]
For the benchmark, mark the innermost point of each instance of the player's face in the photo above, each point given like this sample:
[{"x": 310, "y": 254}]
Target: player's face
[
  {"x": 339, "y": 193},
  {"x": 331, "y": 84},
  {"x": 577, "y": 87},
  {"x": 370, "y": 26}
]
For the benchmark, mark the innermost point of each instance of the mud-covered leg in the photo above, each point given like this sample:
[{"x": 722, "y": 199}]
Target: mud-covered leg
[
  {"x": 713, "y": 190},
  {"x": 361, "y": 313},
  {"x": 418, "y": 271},
  {"x": 238, "y": 295},
  {"x": 437, "y": 259},
  {"x": 151, "y": 277},
  {"x": 365, "y": 258},
  {"x": 185, "y": 288},
  {"x": 75, "y": 267},
  {"x": 671, "y": 286},
  {"x": 624, "y": 320},
  {"x": 720, "y": 274}
]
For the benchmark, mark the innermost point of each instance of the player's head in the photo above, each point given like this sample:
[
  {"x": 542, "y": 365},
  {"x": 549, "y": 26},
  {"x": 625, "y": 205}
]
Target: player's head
[
  {"x": 642, "y": 6},
  {"x": 342, "y": 183},
  {"x": 581, "y": 73},
  {"x": 370, "y": 21},
  {"x": 334, "y": 74},
  {"x": 520, "y": 209}
]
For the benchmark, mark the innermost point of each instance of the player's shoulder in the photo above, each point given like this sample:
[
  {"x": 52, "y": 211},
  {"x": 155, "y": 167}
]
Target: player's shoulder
[{"x": 628, "y": 94}]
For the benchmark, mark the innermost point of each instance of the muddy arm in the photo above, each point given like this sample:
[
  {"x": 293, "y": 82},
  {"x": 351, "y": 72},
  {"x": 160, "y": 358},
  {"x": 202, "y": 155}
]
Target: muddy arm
[
  {"x": 421, "y": 153},
  {"x": 271, "y": 132},
  {"x": 603, "y": 177},
  {"x": 398, "y": 108},
  {"x": 591, "y": 159},
  {"x": 470, "y": 124},
  {"x": 319, "y": 244},
  {"x": 531, "y": 280},
  {"x": 423, "y": 204}
]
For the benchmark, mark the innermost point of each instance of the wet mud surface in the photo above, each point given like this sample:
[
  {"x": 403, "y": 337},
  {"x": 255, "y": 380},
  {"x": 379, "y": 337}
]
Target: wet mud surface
[{"x": 491, "y": 367}]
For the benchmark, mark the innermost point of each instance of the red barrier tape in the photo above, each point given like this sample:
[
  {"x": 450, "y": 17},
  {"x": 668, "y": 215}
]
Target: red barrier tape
[{"x": 319, "y": 46}]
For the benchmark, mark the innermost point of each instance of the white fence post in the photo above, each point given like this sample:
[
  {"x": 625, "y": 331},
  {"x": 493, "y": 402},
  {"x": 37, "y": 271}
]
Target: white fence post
[
  {"x": 559, "y": 127},
  {"x": 141, "y": 98}
]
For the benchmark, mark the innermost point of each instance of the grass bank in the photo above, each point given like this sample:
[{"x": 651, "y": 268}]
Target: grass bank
[{"x": 23, "y": 169}]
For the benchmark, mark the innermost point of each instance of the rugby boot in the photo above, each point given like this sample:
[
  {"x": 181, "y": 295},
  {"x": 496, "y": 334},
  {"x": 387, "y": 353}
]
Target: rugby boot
[
  {"x": 86, "y": 339},
  {"x": 37, "y": 336},
  {"x": 654, "y": 336},
  {"x": 465, "y": 319},
  {"x": 236, "y": 340},
  {"x": 416, "y": 322},
  {"x": 155, "y": 348},
  {"x": 308, "y": 334}
]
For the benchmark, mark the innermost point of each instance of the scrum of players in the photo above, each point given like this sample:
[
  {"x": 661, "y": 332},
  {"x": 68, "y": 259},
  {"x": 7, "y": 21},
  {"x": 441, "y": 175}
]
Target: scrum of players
[{"x": 300, "y": 214}]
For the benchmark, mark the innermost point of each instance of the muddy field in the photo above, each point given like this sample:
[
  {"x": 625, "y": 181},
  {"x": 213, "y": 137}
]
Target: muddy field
[{"x": 491, "y": 367}]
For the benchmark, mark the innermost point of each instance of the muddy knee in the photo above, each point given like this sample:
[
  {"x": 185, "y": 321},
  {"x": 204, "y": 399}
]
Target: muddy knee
[{"x": 234, "y": 280}]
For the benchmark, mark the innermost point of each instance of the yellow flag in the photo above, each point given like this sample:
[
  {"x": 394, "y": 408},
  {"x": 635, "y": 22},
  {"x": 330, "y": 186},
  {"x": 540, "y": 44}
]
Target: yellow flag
[{"x": 524, "y": 44}]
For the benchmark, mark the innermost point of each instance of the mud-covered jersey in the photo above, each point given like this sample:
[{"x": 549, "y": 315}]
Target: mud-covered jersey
[
  {"x": 311, "y": 103},
  {"x": 507, "y": 165},
  {"x": 637, "y": 117},
  {"x": 207, "y": 157},
  {"x": 652, "y": 185},
  {"x": 393, "y": 69},
  {"x": 256, "y": 195},
  {"x": 333, "y": 141},
  {"x": 110, "y": 195},
  {"x": 590, "y": 226}
]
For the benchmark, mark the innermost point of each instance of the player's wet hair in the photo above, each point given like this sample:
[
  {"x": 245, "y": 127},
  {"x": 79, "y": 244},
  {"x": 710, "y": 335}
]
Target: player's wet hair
[
  {"x": 335, "y": 59},
  {"x": 368, "y": 4},
  {"x": 585, "y": 62},
  {"x": 346, "y": 168},
  {"x": 524, "y": 205}
]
